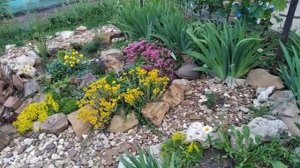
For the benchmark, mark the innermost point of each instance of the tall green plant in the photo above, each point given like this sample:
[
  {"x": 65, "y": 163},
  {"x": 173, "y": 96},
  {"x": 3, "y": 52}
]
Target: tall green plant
[
  {"x": 146, "y": 160},
  {"x": 290, "y": 72},
  {"x": 139, "y": 22},
  {"x": 225, "y": 50},
  {"x": 172, "y": 31}
]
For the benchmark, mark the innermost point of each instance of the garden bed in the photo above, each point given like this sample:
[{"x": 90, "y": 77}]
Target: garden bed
[{"x": 167, "y": 91}]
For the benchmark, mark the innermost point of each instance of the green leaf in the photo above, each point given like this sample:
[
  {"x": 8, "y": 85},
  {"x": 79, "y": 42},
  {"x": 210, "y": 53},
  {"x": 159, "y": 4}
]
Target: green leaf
[{"x": 278, "y": 164}]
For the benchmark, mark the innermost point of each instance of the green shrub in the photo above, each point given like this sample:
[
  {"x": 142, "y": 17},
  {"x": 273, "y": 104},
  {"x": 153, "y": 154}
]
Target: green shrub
[
  {"x": 290, "y": 72},
  {"x": 225, "y": 50},
  {"x": 172, "y": 31}
]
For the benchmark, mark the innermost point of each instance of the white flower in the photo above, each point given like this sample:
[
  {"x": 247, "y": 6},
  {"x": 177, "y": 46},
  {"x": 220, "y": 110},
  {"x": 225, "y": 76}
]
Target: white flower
[
  {"x": 260, "y": 50},
  {"x": 258, "y": 21},
  {"x": 207, "y": 129}
]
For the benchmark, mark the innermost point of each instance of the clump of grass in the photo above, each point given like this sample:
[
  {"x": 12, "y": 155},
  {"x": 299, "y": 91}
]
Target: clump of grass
[
  {"x": 211, "y": 100},
  {"x": 93, "y": 46},
  {"x": 259, "y": 111}
]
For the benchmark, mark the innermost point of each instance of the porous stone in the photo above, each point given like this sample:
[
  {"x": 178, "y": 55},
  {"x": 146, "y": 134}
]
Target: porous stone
[
  {"x": 268, "y": 129},
  {"x": 78, "y": 125},
  {"x": 55, "y": 124},
  {"x": 263, "y": 79},
  {"x": 155, "y": 111},
  {"x": 175, "y": 94},
  {"x": 113, "y": 60},
  {"x": 121, "y": 124}
]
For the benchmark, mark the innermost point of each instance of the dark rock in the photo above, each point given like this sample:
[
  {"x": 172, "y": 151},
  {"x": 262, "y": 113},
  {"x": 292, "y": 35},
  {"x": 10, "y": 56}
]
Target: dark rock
[
  {"x": 50, "y": 146},
  {"x": 39, "y": 153},
  {"x": 22, "y": 149},
  {"x": 187, "y": 72}
]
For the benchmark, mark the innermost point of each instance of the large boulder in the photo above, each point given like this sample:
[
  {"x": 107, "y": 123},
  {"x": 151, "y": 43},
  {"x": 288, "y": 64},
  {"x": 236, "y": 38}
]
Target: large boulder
[
  {"x": 156, "y": 111},
  {"x": 112, "y": 59},
  {"x": 268, "y": 129},
  {"x": 13, "y": 102},
  {"x": 79, "y": 126},
  {"x": 121, "y": 124},
  {"x": 262, "y": 79},
  {"x": 55, "y": 124},
  {"x": 187, "y": 72}
]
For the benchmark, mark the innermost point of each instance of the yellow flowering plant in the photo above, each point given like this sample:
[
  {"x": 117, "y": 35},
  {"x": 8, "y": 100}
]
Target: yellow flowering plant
[
  {"x": 35, "y": 112},
  {"x": 126, "y": 93},
  {"x": 100, "y": 101},
  {"x": 189, "y": 154},
  {"x": 149, "y": 82},
  {"x": 72, "y": 58}
]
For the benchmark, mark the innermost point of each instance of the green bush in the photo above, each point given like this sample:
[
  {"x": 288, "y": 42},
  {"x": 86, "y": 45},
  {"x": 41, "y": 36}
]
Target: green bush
[{"x": 225, "y": 50}]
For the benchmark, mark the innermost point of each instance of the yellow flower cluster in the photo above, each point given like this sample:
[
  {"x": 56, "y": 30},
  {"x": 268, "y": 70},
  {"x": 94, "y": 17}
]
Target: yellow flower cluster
[
  {"x": 35, "y": 112},
  {"x": 150, "y": 82},
  {"x": 72, "y": 58},
  {"x": 106, "y": 95},
  {"x": 131, "y": 95},
  {"x": 99, "y": 101},
  {"x": 192, "y": 147},
  {"x": 178, "y": 136}
]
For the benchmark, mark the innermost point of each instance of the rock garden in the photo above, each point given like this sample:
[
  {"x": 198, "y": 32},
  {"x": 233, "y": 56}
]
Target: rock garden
[{"x": 155, "y": 87}]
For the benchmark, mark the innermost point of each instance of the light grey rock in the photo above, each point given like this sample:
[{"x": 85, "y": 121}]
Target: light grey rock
[
  {"x": 30, "y": 87},
  {"x": 267, "y": 129},
  {"x": 263, "y": 95},
  {"x": 55, "y": 124},
  {"x": 66, "y": 34},
  {"x": 33, "y": 55},
  {"x": 28, "y": 141}
]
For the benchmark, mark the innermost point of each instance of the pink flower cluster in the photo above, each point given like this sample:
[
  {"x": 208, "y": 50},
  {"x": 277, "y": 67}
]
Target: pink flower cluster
[{"x": 152, "y": 56}]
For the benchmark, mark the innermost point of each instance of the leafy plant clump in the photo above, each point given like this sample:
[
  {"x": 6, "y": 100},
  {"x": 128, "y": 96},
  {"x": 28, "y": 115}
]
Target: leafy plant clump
[
  {"x": 249, "y": 151},
  {"x": 225, "y": 50},
  {"x": 188, "y": 154},
  {"x": 150, "y": 56},
  {"x": 290, "y": 73},
  {"x": 93, "y": 46},
  {"x": 145, "y": 160}
]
